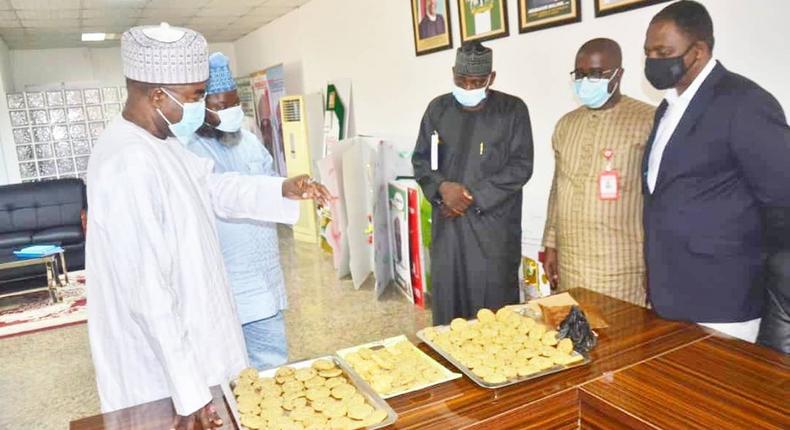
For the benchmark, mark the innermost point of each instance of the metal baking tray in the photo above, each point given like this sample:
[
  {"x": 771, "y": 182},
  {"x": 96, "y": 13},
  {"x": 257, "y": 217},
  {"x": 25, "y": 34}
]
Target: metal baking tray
[
  {"x": 479, "y": 381},
  {"x": 447, "y": 374},
  {"x": 370, "y": 395}
]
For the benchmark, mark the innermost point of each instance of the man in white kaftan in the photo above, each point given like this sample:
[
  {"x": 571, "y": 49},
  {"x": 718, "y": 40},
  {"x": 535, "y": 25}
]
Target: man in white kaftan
[{"x": 161, "y": 316}]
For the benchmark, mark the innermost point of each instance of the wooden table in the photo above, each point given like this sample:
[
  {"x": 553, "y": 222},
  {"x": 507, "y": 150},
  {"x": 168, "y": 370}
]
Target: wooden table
[{"x": 646, "y": 373}]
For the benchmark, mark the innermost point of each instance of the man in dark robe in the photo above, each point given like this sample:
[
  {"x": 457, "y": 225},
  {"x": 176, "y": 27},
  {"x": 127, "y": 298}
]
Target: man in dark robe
[{"x": 472, "y": 159}]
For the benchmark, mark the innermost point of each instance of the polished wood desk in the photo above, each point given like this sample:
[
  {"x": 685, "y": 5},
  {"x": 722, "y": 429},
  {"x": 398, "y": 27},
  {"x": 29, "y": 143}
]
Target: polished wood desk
[{"x": 646, "y": 373}]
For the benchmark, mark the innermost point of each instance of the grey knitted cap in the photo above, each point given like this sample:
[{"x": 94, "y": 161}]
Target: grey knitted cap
[{"x": 473, "y": 59}]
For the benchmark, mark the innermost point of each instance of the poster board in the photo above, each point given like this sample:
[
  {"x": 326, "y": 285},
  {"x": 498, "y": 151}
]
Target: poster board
[
  {"x": 331, "y": 171},
  {"x": 384, "y": 172},
  {"x": 246, "y": 96},
  {"x": 268, "y": 87},
  {"x": 337, "y": 112},
  {"x": 358, "y": 180},
  {"x": 415, "y": 245},
  {"x": 399, "y": 237}
]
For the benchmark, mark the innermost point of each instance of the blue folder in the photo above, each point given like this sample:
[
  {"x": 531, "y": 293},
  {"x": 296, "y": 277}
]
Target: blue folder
[{"x": 37, "y": 251}]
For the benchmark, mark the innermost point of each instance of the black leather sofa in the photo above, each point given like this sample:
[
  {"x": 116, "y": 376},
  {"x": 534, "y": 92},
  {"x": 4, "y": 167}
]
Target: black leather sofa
[{"x": 48, "y": 212}]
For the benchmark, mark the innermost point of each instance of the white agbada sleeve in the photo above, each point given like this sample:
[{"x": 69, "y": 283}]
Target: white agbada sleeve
[
  {"x": 257, "y": 198},
  {"x": 144, "y": 276}
]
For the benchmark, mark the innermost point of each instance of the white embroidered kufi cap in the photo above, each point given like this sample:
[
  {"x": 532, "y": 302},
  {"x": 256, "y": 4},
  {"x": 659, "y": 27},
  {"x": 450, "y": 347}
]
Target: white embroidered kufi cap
[{"x": 164, "y": 55}]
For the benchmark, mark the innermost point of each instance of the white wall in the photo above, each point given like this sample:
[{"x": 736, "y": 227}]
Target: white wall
[
  {"x": 8, "y": 167},
  {"x": 75, "y": 67},
  {"x": 371, "y": 43},
  {"x": 278, "y": 42}
]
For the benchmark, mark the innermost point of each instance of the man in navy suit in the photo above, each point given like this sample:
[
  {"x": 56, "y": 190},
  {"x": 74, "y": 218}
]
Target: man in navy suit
[{"x": 718, "y": 156}]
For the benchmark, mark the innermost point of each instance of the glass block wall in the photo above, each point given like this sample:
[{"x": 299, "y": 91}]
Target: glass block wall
[{"x": 55, "y": 130}]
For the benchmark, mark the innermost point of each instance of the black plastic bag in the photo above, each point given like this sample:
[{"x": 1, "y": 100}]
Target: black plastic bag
[{"x": 576, "y": 327}]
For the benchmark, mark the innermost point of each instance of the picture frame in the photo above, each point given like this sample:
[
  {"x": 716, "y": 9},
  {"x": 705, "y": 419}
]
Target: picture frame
[
  {"x": 432, "y": 31},
  {"x": 610, "y": 7},
  {"x": 534, "y": 15},
  {"x": 483, "y": 20}
]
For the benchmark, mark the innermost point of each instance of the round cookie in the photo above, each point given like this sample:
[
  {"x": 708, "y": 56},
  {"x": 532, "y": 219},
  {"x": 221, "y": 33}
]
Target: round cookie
[
  {"x": 340, "y": 423},
  {"x": 550, "y": 338},
  {"x": 272, "y": 414},
  {"x": 365, "y": 353},
  {"x": 305, "y": 374},
  {"x": 302, "y": 413},
  {"x": 527, "y": 370},
  {"x": 354, "y": 399},
  {"x": 272, "y": 403},
  {"x": 504, "y": 315},
  {"x": 289, "y": 397},
  {"x": 316, "y": 381},
  {"x": 252, "y": 422},
  {"x": 292, "y": 386},
  {"x": 318, "y": 393},
  {"x": 486, "y": 316},
  {"x": 547, "y": 351},
  {"x": 331, "y": 373},
  {"x": 565, "y": 346},
  {"x": 284, "y": 372},
  {"x": 271, "y": 390},
  {"x": 249, "y": 405},
  {"x": 320, "y": 404},
  {"x": 459, "y": 324},
  {"x": 509, "y": 372},
  {"x": 483, "y": 371},
  {"x": 316, "y": 422},
  {"x": 495, "y": 378},
  {"x": 360, "y": 412},
  {"x": 290, "y": 405},
  {"x": 334, "y": 382},
  {"x": 322, "y": 364},
  {"x": 334, "y": 410},
  {"x": 342, "y": 391},
  {"x": 249, "y": 374},
  {"x": 537, "y": 332},
  {"x": 243, "y": 389},
  {"x": 376, "y": 417}
]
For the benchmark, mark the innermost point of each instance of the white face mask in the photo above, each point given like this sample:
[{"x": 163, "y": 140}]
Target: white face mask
[
  {"x": 471, "y": 98},
  {"x": 191, "y": 118},
  {"x": 230, "y": 119}
]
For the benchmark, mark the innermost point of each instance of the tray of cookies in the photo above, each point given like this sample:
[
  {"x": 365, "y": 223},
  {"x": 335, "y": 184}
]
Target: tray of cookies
[
  {"x": 318, "y": 394},
  {"x": 394, "y": 366},
  {"x": 503, "y": 348}
]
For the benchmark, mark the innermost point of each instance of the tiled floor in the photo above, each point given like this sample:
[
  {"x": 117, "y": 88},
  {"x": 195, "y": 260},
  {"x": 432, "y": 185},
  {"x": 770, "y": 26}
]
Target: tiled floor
[{"x": 46, "y": 379}]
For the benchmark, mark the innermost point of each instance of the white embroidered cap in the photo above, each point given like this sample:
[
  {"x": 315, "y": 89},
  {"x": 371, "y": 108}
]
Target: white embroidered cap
[{"x": 164, "y": 55}]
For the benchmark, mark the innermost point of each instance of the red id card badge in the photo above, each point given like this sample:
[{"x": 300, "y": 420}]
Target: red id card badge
[{"x": 609, "y": 185}]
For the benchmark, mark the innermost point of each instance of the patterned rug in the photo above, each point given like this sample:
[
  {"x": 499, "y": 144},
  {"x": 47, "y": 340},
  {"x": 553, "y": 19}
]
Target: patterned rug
[{"x": 34, "y": 312}]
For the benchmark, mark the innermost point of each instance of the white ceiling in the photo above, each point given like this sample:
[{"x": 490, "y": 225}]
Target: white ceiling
[{"x": 41, "y": 24}]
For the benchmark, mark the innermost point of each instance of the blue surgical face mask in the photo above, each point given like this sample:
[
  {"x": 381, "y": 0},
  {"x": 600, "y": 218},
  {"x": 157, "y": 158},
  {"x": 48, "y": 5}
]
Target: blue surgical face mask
[
  {"x": 471, "y": 98},
  {"x": 230, "y": 119},
  {"x": 192, "y": 117},
  {"x": 593, "y": 94}
]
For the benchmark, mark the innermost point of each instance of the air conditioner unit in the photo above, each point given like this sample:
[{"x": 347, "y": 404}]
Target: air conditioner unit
[{"x": 302, "y": 132}]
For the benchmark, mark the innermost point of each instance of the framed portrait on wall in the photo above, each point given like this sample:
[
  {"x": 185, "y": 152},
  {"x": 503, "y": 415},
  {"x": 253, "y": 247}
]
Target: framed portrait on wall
[
  {"x": 431, "y": 26},
  {"x": 608, "y": 7},
  {"x": 482, "y": 19},
  {"x": 539, "y": 14}
]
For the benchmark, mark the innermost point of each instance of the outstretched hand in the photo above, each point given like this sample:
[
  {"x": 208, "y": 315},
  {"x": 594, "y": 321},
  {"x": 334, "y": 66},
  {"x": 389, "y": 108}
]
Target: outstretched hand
[{"x": 303, "y": 187}]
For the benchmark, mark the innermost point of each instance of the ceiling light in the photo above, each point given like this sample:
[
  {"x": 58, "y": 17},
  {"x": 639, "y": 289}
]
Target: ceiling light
[{"x": 94, "y": 37}]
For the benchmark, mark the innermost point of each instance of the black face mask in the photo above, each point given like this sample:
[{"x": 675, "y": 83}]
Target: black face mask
[{"x": 664, "y": 73}]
